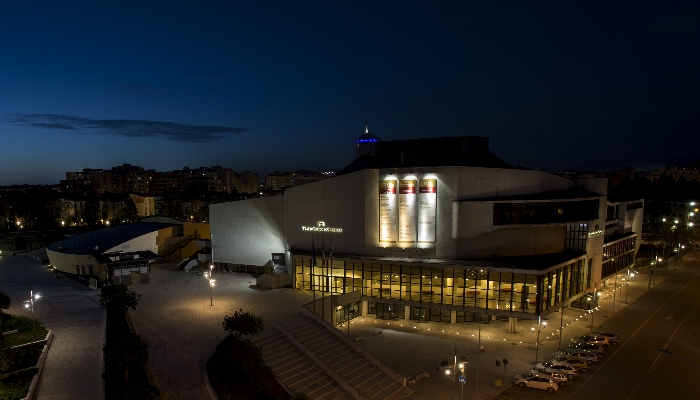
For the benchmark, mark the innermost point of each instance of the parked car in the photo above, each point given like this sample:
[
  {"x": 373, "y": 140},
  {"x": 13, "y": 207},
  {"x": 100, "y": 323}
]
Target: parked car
[
  {"x": 591, "y": 348},
  {"x": 558, "y": 377},
  {"x": 612, "y": 337},
  {"x": 523, "y": 376},
  {"x": 574, "y": 362},
  {"x": 593, "y": 339},
  {"x": 538, "y": 382},
  {"x": 569, "y": 371},
  {"x": 584, "y": 355}
]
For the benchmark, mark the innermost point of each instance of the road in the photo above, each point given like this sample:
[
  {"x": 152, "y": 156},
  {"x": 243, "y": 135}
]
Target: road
[{"x": 667, "y": 317}]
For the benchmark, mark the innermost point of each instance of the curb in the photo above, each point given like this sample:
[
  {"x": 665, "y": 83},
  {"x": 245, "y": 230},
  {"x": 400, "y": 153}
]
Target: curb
[{"x": 32, "y": 392}]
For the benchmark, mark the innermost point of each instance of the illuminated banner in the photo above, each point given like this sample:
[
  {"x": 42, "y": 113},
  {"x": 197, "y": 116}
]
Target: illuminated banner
[
  {"x": 407, "y": 211},
  {"x": 427, "y": 204},
  {"x": 387, "y": 211}
]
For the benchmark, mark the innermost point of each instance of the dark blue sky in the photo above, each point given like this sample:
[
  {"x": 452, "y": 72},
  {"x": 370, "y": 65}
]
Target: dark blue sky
[{"x": 269, "y": 86}]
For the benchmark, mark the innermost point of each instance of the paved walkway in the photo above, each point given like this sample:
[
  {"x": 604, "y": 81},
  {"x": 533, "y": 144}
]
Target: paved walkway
[
  {"x": 182, "y": 329},
  {"x": 74, "y": 364}
]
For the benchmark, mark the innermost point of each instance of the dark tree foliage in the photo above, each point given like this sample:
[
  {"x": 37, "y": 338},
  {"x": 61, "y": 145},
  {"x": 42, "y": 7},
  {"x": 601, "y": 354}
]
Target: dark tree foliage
[
  {"x": 125, "y": 353},
  {"x": 118, "y": 298},
  {"x": 172, "y": 204},
  {"x": 237, "y": 370},
  {"x": 131, "y": 214},
  {"x": 91, "y": 212},
  {"x": 5, "y": 302},
  {"x": 243, "y": 323}
]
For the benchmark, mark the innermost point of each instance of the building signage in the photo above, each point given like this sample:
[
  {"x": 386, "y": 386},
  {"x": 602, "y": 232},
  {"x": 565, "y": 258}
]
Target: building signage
[
  {"x": 388, "y": 220},
  {"x": 427, "y": 204},
  {"x": 407, "y": 211},
  {"x": 321, "y": 227}
]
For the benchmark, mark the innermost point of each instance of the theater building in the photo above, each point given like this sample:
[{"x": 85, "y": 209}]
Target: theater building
[{"x": 435, "y": 230}]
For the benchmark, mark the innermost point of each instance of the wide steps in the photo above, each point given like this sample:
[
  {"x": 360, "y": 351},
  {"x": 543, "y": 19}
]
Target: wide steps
[{"x": 301, "y": 373}]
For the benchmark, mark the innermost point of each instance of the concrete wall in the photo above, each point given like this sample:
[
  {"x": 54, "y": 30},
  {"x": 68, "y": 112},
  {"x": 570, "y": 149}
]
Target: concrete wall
[
  {"x": 76, "y": 263},
  {"x": 249, "y": 231},
  {"x": 340, "y": 202}
]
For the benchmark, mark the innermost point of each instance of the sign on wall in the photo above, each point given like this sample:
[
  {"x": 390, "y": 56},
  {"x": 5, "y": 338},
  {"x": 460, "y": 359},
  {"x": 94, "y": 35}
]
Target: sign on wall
[
  {"x": 407, "y": 211},
  {"x": 388, "y": 221},
  {"x": 427, "y": 204}
]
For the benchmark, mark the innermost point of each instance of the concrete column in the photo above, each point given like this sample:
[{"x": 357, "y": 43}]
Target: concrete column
[
  {"x": 407, "y": 312},
  {"x": 512, "y": 325},
  {"x": 453, "y": 317},
  {"x": 365, "y": 307}
]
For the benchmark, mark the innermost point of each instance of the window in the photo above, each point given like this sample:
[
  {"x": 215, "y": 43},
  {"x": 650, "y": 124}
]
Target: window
[{"x": 544, "y": 212}]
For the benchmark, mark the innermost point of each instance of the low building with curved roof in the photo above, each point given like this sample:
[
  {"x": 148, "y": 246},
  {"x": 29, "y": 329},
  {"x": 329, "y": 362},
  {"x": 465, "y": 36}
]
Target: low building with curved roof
[{"x": 131, "y": 246}]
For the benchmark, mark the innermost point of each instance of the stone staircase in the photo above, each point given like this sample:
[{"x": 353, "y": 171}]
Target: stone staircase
[
  {"x": 308, "y": 357},
  {"x": 297, "y": 371}
]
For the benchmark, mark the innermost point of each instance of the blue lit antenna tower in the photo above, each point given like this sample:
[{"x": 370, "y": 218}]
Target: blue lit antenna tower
[{"x": 365, "y": 145}]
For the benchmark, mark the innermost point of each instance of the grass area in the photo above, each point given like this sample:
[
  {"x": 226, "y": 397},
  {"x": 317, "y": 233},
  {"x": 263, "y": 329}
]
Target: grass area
[
  {"x": 16, "y": 387},
  {"x": 30, "y": 330},
  {"x": 18, "y": 338}
]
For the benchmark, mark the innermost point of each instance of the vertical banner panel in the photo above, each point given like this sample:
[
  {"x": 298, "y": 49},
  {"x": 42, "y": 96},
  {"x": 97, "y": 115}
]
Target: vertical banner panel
[
  {"x": 388, "y": 214},
  {"x": 427, "y": 205},
  {"x": 407, "y": 211}
]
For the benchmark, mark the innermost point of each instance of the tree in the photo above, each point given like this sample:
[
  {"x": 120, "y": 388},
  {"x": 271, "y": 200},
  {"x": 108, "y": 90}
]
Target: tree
[
  {"x": 243, "y": 323},
  {"x": 125, "y": 353},
  {"x": 5, "y": 302},
  {"x": 237, "y": 370},
  {"x": 118, "y": 298},
  {"x": 131, "y": 214},
  {"x": 91, "y": 212},
  {"x": 172, "y": 204}
]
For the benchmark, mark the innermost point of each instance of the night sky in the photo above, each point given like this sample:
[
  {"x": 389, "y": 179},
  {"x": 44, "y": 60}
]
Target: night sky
[{"x": 288, "y": 85}]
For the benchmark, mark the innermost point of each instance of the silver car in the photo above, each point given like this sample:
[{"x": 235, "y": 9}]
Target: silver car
[
  {"x": 558, "y": 377},
  {"x": 612, "y": 337}
]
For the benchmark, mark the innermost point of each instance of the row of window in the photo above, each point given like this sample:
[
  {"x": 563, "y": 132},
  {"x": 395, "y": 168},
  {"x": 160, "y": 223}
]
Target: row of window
[
  {"x": 424, "y": 314},
  {"x": 544, "y": 212},
  {"x": 476, "y": 288}
]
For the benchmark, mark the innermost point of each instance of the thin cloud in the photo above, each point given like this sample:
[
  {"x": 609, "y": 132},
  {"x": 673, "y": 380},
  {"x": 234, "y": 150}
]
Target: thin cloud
[{"x": 128, "y": 127}]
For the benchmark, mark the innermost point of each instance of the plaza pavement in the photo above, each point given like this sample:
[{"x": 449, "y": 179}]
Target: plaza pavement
[
  {"x": 72, "y": 311},
  {"x": 175, "y": 316},
  {"x": 182, "y": 329}
]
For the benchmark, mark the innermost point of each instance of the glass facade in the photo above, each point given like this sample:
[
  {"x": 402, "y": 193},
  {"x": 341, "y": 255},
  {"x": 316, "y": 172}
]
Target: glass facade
[
  {"x": 462, "y": 287},
  {"x": 618, "y": 256},
  {"x": 576, "y": 236}
]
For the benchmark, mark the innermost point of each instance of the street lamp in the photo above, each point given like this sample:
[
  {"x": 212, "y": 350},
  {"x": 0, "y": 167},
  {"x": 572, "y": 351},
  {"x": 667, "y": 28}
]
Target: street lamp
[
  {"x": 668, "y": 353},
  {"x": 30, "y": 305},
  {"x": 211, "y": 286}
]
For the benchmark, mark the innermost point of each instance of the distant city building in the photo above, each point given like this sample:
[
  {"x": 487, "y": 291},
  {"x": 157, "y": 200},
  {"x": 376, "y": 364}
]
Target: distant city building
[
  {"x": 145, "y": 205},
  {"x": 133, "y": 179},
  {"x": 247, "y": 182},
  {"x": 279, "y": 180},
  {"x": 688, "y": 173}
]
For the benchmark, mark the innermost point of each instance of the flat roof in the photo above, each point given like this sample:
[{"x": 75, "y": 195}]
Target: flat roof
[
  {"x": 101, "y": 240},
  {"x": 535, "y": 262}
]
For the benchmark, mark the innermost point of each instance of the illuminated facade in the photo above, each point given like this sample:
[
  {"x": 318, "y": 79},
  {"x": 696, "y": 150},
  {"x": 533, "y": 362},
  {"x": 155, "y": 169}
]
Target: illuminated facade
[{"x": 433, "y": 229}]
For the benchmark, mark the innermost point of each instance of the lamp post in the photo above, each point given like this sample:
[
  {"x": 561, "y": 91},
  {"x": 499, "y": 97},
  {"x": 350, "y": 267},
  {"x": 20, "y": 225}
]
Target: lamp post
[
  {"x": 30, "y": 304},
  {"x": 668, "y": 353},
  {"x": 537, "y": 344},
  {"x": 211, "y": 295},
  {"x": 614, "y": 294}
]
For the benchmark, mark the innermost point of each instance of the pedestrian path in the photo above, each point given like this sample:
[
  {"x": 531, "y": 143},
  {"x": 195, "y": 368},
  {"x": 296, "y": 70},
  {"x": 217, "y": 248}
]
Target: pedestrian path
[{"x": 73, "y": 366}]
